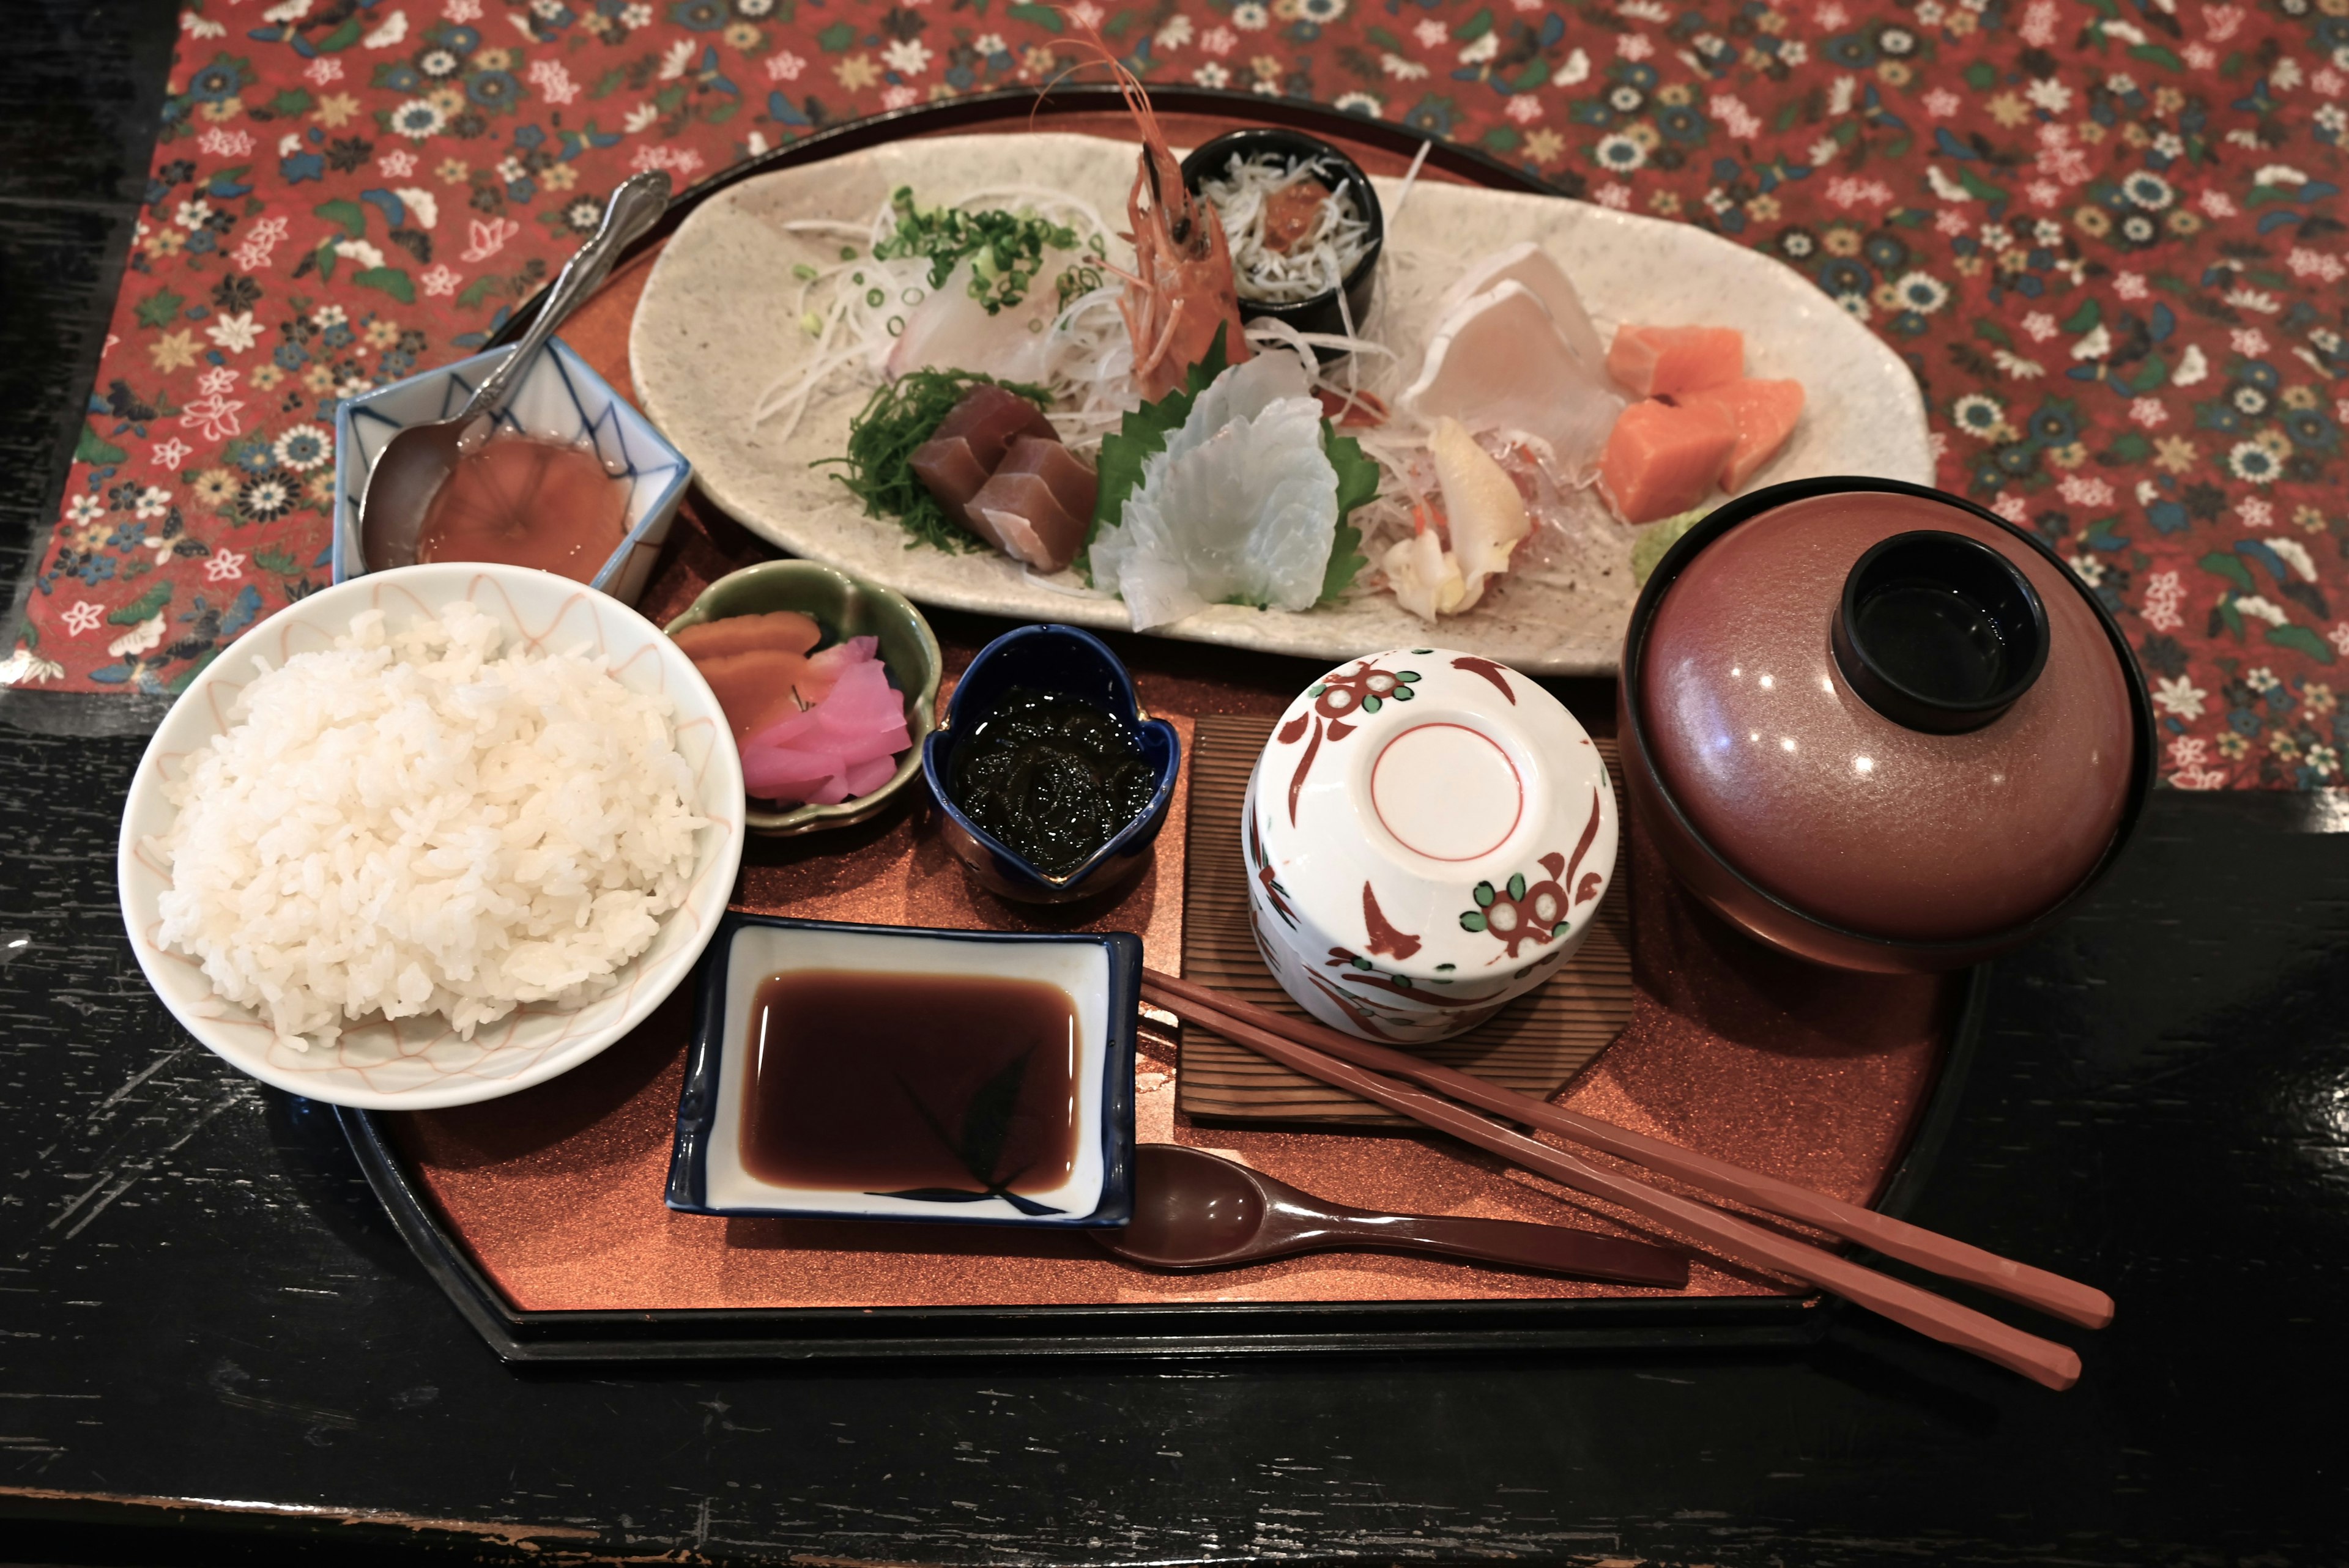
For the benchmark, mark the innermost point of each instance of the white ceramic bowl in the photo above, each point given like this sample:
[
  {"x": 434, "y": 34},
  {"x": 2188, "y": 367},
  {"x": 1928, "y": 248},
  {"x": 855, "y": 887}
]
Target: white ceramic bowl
[
  {"x": 558, "y": 398},
  {"x": 419, "y": 1063},
  {"x": 1428, "y": 835}
]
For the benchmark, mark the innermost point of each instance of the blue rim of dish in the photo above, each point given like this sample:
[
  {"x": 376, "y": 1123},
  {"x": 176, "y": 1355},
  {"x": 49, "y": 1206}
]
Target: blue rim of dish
[
  {"x": 1146, "y": 824},
  {"x": 463, "y": 376},
  {"x": 697, "y": 1101}
]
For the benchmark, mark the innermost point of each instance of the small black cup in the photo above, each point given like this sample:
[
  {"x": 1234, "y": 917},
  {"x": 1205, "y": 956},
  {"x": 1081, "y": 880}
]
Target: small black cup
[
  {"x": 1320, "y": 314},
  {"x": 1939, "y": 632}
]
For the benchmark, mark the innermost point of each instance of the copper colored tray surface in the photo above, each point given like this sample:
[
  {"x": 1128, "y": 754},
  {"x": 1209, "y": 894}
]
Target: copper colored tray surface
[
  {"x": 557, "y": 1191},
  {"x": 1533, "y": 1045}
]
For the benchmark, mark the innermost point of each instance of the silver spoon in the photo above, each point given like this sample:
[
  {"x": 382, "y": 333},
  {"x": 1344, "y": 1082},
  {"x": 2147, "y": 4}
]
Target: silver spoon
[{"x": 410, "y": 468}]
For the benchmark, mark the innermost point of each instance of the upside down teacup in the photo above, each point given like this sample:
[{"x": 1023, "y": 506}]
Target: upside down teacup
[{"x": 1428, "y": 835}]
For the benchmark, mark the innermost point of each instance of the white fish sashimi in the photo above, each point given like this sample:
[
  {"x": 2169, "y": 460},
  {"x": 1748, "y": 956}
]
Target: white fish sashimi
[
  {"x": 1498, "y": 362},
  {"x": 1528, "y": 263},
  {"x": 949, "y": 330},
  {"x": 1242, "y": 504}
]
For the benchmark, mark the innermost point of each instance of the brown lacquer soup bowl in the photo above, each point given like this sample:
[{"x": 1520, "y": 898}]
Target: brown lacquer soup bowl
[{"x": 1879, "y": 727}]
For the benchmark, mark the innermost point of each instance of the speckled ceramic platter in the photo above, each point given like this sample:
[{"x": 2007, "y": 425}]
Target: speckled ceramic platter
[{"x": 717, "y": 327}]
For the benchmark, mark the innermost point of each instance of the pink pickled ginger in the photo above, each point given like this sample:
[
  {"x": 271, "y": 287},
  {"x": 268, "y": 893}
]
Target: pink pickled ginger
[{"x": 846, "y": 744}]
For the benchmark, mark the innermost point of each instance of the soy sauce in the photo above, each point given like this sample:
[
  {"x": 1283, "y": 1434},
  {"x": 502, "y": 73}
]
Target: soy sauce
[
  {"x": 1052, "y": 778},
  {"x": 949, "y": 1087}
]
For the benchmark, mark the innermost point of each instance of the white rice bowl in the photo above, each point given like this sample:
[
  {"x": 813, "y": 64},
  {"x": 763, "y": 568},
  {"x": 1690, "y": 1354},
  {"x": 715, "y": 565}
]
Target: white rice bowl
[{"x": 425, "y": 870}]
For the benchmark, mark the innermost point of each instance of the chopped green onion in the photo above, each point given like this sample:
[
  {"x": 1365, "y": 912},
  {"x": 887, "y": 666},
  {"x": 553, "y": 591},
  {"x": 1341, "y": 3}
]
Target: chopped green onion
[{"x": 1006, "y": 250}]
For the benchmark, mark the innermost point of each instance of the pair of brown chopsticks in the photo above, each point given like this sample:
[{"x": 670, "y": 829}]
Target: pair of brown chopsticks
[{"x": 1364, "y": 1068}]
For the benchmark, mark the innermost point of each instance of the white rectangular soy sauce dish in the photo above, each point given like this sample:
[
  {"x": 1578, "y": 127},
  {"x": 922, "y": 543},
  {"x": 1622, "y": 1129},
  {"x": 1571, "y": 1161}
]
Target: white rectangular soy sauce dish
[{"x": 709, "y": 1173}]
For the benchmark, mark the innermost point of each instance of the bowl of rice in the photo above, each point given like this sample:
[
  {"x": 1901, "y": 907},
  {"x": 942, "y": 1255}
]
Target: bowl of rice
[{"x": 431, "y": 835}]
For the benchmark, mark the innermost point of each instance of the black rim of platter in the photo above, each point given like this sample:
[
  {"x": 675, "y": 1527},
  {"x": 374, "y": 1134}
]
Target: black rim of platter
[{"x": 1190, "y": 1330}]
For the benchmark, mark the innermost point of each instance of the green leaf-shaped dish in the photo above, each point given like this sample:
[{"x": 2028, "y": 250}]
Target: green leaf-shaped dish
[{"x": 844, "y": 606}]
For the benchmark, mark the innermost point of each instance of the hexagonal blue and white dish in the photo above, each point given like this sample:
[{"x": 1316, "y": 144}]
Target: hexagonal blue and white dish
[
  {"x": 558, "y": 398},
  {"x": 845, "y": 1130}
]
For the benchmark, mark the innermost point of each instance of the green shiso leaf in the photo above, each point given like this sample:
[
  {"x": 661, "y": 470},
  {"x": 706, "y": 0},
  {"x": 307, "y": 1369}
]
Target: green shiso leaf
[
  {"x": 1357, "y": 484},
  {"x": 881, "y": 438}
]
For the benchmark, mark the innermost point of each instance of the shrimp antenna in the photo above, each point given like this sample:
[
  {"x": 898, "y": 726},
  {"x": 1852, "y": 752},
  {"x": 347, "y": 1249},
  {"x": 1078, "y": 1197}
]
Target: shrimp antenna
[{"x": 1129, "y": 86}]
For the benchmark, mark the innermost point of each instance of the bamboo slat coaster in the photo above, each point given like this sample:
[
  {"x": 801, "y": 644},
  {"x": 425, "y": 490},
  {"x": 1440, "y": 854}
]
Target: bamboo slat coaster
[{"x": 1534, "y": 1044}]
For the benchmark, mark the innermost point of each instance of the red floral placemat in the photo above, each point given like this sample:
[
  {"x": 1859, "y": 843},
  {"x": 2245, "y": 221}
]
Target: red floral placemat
[{"x": 2106, "y": 234}]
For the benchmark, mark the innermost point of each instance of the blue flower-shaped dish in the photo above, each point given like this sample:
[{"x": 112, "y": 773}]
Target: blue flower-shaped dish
[
  {"x": 1069, "y": 663},
  {"x": 709, "y": 1173},
  {"x": 558, "y": 398}
]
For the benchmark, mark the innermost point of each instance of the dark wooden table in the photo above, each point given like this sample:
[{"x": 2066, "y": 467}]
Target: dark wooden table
[{"x": 211, "y": 1343}]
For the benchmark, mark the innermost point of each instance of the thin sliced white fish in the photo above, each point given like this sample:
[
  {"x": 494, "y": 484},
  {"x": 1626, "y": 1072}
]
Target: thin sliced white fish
[
  {"x": 1498, "y": 362},
  {"x": 949, "y": 330},
  {"x": 1530, "y": 263}
]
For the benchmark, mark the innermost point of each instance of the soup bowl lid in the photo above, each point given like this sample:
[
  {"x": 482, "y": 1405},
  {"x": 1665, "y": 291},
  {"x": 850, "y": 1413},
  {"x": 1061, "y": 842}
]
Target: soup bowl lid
[
  {"x": 1435, "y": 815},
  {"x": 1887, "y": 710}
]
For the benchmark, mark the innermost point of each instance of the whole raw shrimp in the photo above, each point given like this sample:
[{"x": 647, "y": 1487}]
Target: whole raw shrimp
[{"x": 1182, "y": 289}]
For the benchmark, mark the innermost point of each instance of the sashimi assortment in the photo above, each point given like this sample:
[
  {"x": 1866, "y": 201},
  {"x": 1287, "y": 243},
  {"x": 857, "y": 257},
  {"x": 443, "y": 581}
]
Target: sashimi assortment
[
  {"x": 1122, "y": 421},
  {"x": 813, "y": 725}
]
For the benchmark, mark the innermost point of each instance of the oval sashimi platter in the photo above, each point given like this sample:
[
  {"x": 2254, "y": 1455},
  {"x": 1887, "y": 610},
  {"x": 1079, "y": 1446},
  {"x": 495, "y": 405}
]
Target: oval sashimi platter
[{"x": 720, "y": 327}]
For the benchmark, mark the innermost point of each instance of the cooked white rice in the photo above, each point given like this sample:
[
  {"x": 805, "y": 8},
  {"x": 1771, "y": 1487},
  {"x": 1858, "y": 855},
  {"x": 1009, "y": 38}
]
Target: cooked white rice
[{"x": 414, "y": 823}]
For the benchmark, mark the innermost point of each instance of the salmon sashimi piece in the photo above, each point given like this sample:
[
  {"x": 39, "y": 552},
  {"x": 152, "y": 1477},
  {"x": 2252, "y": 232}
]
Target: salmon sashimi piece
[
  {"x": 1039, "y": 504},
  {"x": 1664, "y": 457},
  {"x": 760, "y": 687},
  {"x": 785, "y": 630},
  {"x": 970, "y": 441},
  {"x": 1666, "y": 361},
  {"x": 1764, "y": 413}
]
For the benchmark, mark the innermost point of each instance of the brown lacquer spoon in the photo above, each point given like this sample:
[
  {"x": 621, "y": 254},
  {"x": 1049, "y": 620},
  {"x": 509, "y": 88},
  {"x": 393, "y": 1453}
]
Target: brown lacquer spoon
[{"x": 1194, "y": 1210}]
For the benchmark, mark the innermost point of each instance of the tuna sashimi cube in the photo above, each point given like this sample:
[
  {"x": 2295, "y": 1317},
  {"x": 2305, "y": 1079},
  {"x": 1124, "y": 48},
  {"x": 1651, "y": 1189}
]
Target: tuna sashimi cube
[
  {"x": 1037, "y": 505},
  {"x": 787, "y": 629},
  {"x": 1665, "y": 361},
  {"x": 1664, "y": 457},
  {"x": 971, "y": 440},
  {"x": 1764, "y": 413}
]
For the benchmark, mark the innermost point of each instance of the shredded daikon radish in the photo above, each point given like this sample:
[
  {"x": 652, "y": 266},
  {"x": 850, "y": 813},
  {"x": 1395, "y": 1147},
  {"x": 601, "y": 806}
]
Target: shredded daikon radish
[
  {"x": 856, "y": 306},
  {"x": 1317, "y": 261}
]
